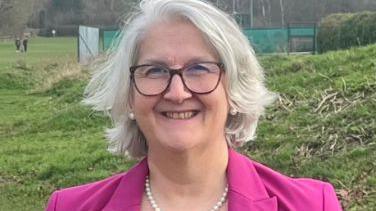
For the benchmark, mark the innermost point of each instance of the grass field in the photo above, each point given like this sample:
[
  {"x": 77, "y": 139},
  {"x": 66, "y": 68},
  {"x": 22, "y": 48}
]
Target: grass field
[
  {"x": 47, "y": 139},
  {"x": 322, "y": 126}
]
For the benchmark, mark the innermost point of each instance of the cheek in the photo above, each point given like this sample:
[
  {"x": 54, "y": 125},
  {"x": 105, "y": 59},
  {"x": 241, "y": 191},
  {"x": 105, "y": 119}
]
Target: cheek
[
  {"x": 223, "y": 98},
  {"x": 223, "y": 106},
  {"x": 218, "y": 104},
  {"x": 225, "y": 85},
  {"x": 143, "y": 106}
]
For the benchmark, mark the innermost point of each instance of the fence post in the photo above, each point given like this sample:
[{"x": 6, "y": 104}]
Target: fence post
[
  {"x": 288, "y": 39},
  {"x": 314, "y": 38}
]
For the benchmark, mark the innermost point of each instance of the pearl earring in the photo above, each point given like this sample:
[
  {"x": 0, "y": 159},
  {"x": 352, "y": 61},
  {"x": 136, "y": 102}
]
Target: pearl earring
[
  {"x": 233, "y": 111},
  {"x": 131, "y": 116}
]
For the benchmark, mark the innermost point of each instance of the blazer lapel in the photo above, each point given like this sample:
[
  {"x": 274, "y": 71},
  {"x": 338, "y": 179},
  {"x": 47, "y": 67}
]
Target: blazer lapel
[
  {"x": 239, "y": 203},
  {"x": 128, "y": 194},
  {"x": 246, "y": 190}
]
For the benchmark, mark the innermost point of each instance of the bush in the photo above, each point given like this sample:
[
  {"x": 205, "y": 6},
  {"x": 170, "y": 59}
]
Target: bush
[{"x": 342, "y": 31}]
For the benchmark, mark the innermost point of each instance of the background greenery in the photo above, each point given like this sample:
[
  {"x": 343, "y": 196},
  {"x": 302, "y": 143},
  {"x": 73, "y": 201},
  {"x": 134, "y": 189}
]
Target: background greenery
[
  {"x": 322, "y": 126},
  {"x": 345, "y": 30}
]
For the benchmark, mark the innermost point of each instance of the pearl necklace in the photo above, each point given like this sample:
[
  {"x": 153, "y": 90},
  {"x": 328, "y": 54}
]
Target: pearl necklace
[{"x": 154, "y": 204}]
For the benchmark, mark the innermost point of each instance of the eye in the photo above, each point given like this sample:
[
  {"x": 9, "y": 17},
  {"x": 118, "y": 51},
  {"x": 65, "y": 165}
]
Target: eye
[
  {"x": 153, "y": 72},
  {"x": 197, "y": 69}
]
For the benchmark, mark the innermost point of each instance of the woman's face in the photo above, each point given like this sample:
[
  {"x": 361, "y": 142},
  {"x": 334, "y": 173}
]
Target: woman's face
[{"x": 177, "y": 119}]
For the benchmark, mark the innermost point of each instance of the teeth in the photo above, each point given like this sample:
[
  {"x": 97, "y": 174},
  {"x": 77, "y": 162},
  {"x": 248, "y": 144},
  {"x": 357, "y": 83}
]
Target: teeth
[{"x": 180, "y": 115}]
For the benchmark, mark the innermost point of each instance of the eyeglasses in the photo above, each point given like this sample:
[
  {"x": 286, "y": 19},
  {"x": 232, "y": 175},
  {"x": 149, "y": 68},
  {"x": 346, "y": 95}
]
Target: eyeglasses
[{"x": 199, "y": 78}]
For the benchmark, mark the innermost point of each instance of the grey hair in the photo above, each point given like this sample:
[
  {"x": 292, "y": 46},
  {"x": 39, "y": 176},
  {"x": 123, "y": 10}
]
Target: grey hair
[{"x": 109, "y": 87}]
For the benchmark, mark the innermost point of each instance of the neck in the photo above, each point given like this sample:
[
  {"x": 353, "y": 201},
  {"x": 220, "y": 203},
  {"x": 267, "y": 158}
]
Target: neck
[{"x": 194, "y": 175}]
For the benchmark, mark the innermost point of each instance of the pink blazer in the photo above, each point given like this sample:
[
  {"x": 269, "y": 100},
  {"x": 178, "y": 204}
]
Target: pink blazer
[{"x": 252, "y": 186}]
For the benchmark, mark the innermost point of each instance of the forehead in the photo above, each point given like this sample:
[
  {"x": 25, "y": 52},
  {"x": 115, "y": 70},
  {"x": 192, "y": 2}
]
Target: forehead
[{"x": 175, "y": 43}]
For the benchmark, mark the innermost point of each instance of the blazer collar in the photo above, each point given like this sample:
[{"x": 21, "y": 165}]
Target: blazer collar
[
  {"x": 128, "y": 194},
  {"x": 246, "y": 190}
]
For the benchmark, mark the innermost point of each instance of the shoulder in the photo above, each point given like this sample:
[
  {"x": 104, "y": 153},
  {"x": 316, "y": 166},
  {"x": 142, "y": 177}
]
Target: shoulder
[
  {"x": 118, "y": 192},
  {"x": 256, "y": 183},
  {"x": 90, "y": 196},
  {"x": 295, "y": 193}
]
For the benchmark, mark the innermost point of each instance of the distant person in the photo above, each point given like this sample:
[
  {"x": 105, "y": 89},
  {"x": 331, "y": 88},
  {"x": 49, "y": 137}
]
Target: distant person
[
  {"x": 24, "y": 44},
  {"x": 184, "y": 89},
  {"x": 18, "y": 44},
  {"x": 53, "y": 32}
]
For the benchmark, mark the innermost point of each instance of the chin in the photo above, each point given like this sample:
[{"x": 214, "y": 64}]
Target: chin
[{"x": 180, "y": 144}]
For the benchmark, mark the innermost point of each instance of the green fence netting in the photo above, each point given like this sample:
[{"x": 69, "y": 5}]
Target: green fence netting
[
  {"x": 277, "y": 40},
  {"x": 108, "y": 37},
  {"x": 270, "y": 40},
  {"x": 302, "y": 32}
]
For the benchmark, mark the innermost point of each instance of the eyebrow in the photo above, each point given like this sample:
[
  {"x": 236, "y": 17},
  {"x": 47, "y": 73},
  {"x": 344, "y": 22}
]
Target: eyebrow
[{"x": 163, "y": 62}]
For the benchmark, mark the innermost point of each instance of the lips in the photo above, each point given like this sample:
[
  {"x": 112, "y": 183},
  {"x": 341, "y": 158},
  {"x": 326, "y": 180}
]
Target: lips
[{"x": 180, "y": 115}]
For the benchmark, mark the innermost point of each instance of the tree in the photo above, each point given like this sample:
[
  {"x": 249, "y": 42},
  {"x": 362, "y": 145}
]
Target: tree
[
  {"x": 274, "y": 13},
  {"x": 282, "y": 13},
  {"x": 111, "y": 11},
  {"x": 5, "y": 5},
  {"x": 14, "y": 15}
]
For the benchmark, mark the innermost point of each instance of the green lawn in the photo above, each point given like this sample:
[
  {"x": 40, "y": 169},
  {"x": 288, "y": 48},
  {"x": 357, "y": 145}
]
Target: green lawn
[
  {"x": 48, "y": 140},
  {"x": 40, "y": 50},
  {"x": 323, "y": 126}
]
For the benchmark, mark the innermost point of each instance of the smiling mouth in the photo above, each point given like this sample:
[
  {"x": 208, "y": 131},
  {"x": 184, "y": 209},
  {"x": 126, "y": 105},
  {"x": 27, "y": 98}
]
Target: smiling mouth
[{"x": 180, "y": 115}]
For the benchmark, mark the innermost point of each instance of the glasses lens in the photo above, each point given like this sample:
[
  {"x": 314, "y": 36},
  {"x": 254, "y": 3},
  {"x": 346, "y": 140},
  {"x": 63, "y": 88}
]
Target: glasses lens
[
  {"x": 198, "y": 78},
  {"x": 202, "y": 77},
  {"x": 151, "y": 80}
]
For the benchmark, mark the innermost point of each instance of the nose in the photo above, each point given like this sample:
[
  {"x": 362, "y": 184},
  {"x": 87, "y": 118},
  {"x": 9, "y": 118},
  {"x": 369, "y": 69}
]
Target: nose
[{"x": 177, "y": 92}]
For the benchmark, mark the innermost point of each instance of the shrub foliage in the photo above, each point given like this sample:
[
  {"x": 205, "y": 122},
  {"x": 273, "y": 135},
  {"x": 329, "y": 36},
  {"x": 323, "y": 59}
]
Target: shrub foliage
[{"x": 346, "y": 30}]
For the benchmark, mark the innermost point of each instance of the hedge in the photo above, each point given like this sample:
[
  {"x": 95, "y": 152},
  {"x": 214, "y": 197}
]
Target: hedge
[{"x": 345, "y": 30}]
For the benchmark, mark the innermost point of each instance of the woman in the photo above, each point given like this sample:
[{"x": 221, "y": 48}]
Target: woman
[{"x": 184, "y": 88}]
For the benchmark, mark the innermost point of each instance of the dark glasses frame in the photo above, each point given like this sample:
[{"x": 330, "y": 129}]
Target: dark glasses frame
[{"x": 173, "y": 72}]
